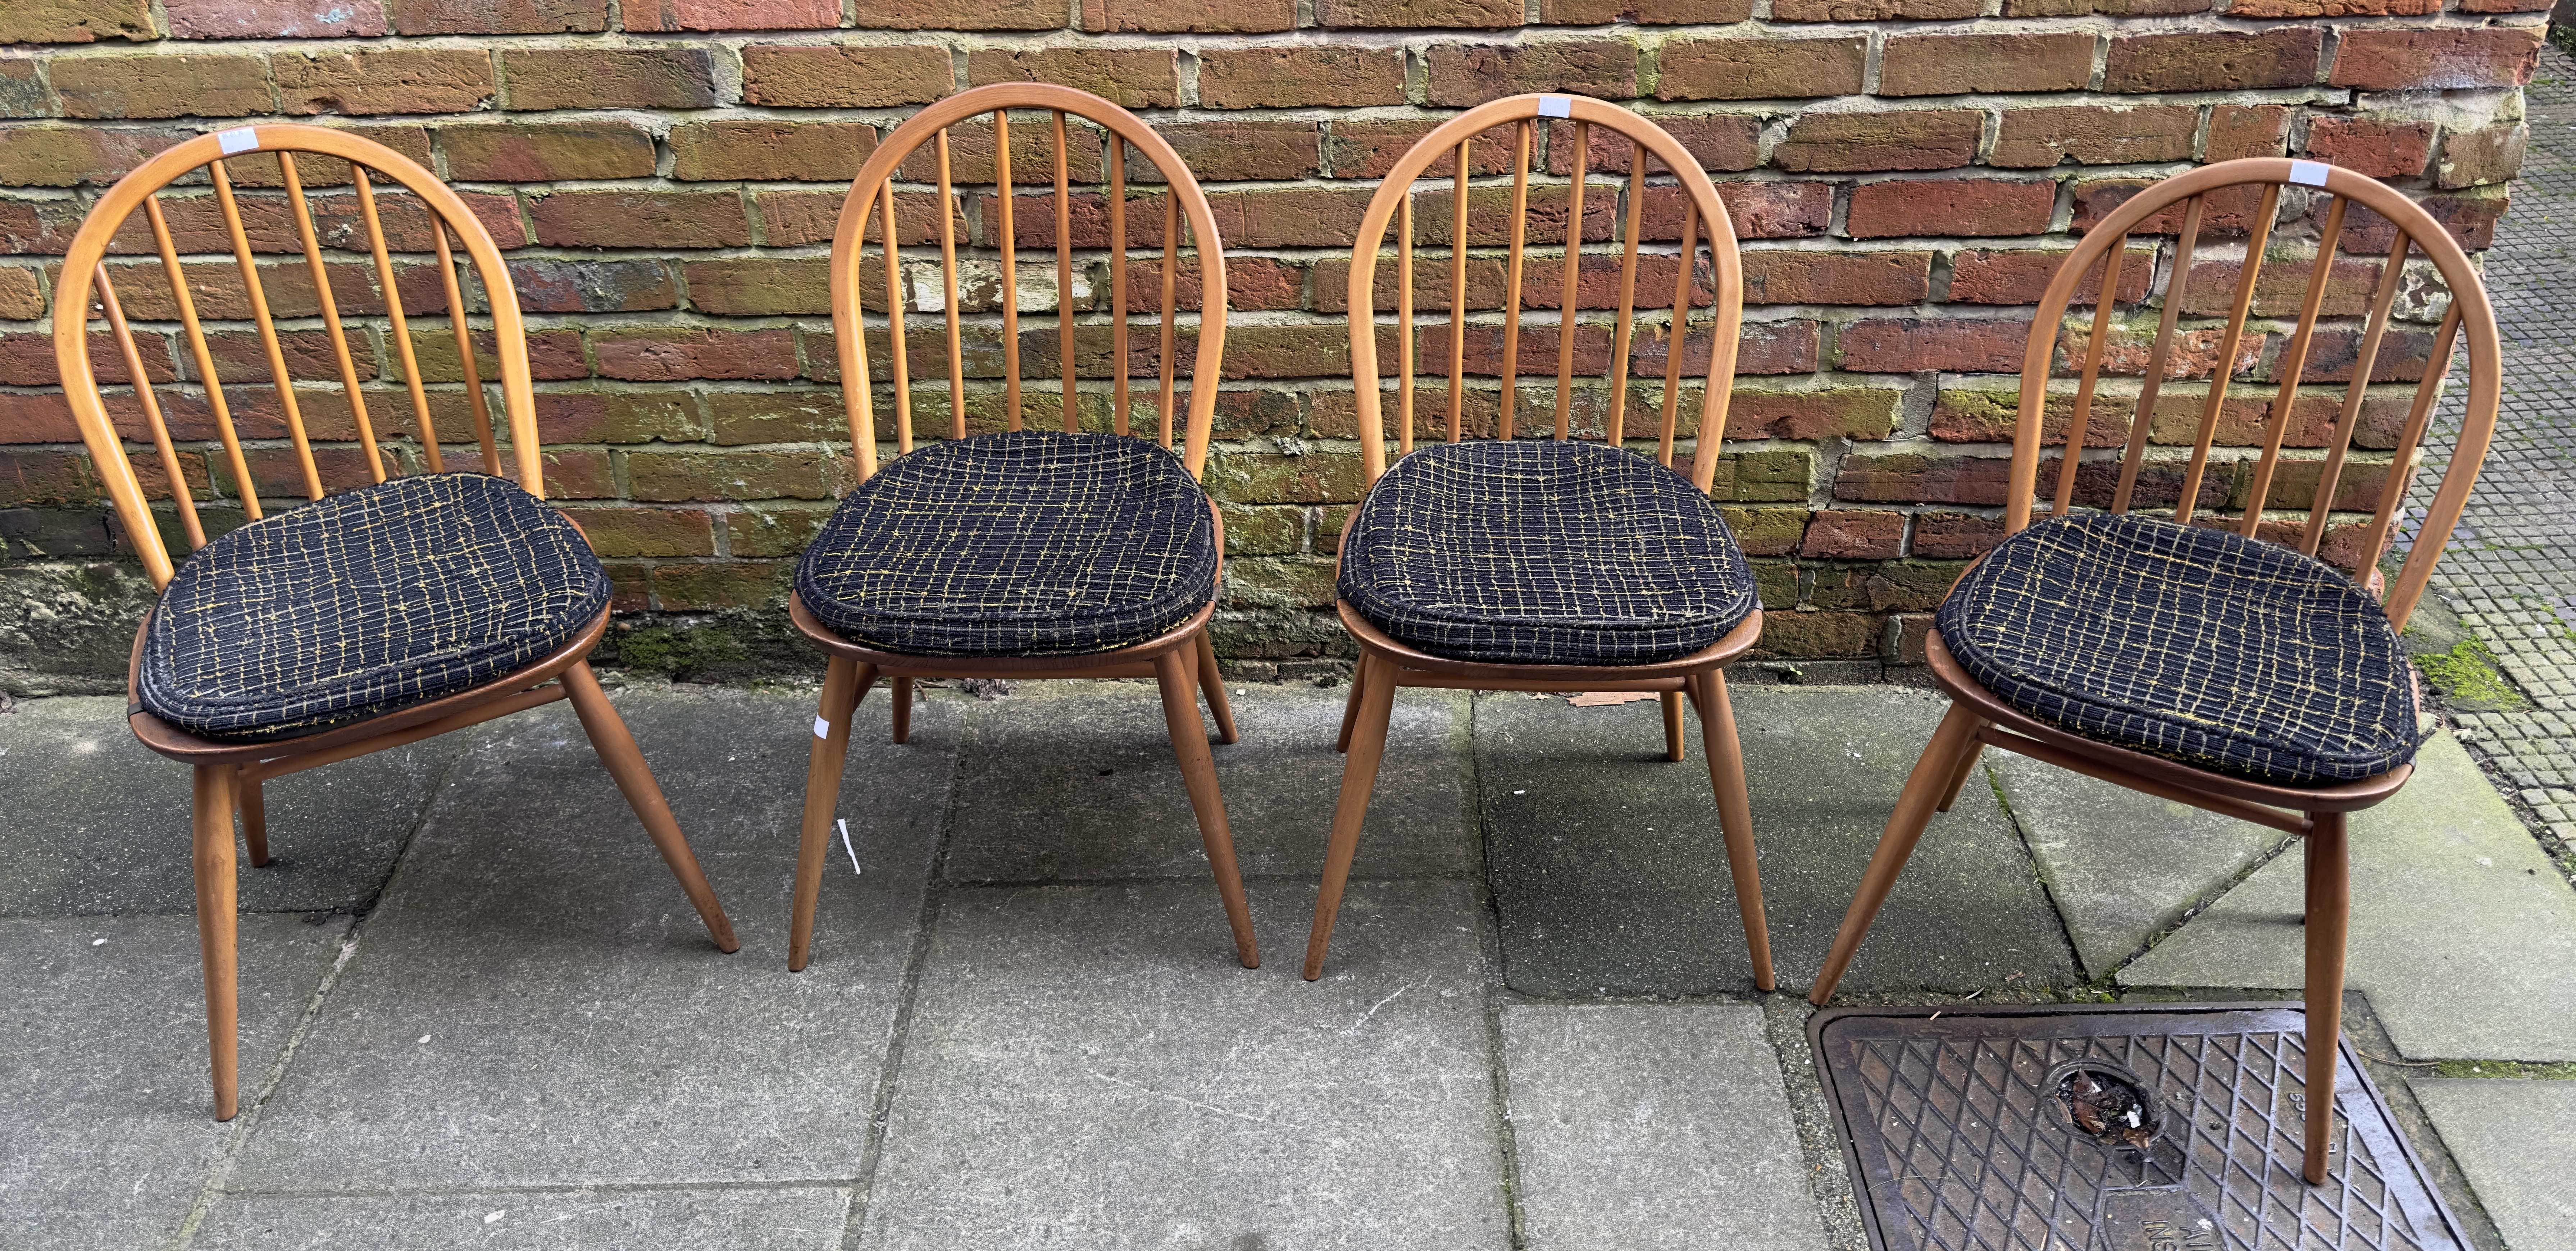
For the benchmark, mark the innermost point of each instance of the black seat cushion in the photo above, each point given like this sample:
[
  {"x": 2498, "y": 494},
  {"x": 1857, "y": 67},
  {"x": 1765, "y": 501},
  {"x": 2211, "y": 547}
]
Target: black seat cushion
[
  {"x": 1024, "y": 544},
  {"x": 1544, "y": 552},
  {"x": 363, "y": 603},
  {"x": 2203, "y": 646}
]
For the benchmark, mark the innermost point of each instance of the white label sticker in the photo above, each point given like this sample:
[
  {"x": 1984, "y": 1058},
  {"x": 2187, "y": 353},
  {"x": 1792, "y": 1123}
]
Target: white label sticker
[
  {"x": 2308, "y": 173},
  {"x": 822, "y": 728},
  {"x": 238, "y": 139},
  {"x": 1556, "y": 106}
]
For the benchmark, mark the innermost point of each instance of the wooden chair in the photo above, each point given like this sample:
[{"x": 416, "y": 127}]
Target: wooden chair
[
  {"x": 2225, "y": 668},
  {"x": 1020, "y": 554},
  {"x": 1545, "y": 565},
  {"x": 397, "y": 609}
]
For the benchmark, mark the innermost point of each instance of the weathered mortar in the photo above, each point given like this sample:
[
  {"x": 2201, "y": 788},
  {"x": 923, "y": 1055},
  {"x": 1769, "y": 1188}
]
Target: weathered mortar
[{"x": 665, "y": 175}]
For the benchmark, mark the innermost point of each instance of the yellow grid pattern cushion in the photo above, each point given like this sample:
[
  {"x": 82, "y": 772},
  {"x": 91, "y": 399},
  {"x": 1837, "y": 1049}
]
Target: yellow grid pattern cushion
[
  {"x": 2203, "y": 646},
  {"x": 1545, "y": 552},
  {"x": 1031, "y": 543},
  {"x": 364, "y": 603}
]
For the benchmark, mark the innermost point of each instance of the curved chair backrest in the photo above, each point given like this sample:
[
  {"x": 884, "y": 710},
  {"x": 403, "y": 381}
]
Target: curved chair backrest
[
  {"x": 2215, "y": 196},
  {"x": 1571, "y": 122},
  {"x": 364, "y": 276},
  {"x": 1076, "y": 127}
]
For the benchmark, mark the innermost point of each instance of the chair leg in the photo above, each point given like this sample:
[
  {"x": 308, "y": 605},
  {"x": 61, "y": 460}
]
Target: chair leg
[
  {"x": 1198, "y": 772},
  {"x": 617, "y": 750},
  {"x": 212, "y": 830},
  {"x": 1913, "y": 812},
  {"x": 1959, "y": 779},
  {"x": 1672, "y": 702},
  {"x": 1359, "y": 777},
  {"x": 903, "y": 710},
  {"x": 2329, "y": 907},
  {"x": 845, "y": 683},
  {"x": 1734, "y": 816},
  {"x": 1351, "y": 705},
  {"x": 254, "y": 816},
  {"x": 1212, "y": 683}
]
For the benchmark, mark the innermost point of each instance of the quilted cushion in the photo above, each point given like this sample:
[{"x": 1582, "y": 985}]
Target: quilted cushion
[
  {"x": 1543, "y": 551},
  {"x": 363, "y": 603},
  {"x": 1032, "y": 543},
  {"x": 2203, "y": 646}
]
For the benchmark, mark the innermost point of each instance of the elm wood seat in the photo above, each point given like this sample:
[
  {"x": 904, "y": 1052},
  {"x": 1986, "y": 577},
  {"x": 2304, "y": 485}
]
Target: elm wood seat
[
  {"x": 1546, "y": 565},
  {"x": 402, "y": 608},
  {"x": 1019, "y": 554},
  {"x": 2215, "y": 669}
]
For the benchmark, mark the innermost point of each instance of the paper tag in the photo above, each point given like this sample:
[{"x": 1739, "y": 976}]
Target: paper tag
[
  {"x": 822, "y": 728},
  {"x": 2309, "y": 173},
  {"x": 1556, "y": 106},
  {"x": 239, "y": 139}
]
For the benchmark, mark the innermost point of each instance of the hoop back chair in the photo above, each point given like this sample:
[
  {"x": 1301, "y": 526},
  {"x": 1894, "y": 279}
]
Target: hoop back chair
[
  {"x": 1555, "y": 564},
  {"x": 1021, "y": 554},
  {"x": 402, "y": 607},
  {"x": 2214, "y": 661}
]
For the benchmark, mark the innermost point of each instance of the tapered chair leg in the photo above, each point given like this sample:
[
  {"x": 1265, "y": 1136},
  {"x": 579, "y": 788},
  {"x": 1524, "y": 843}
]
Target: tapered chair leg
[
  {"x": 1198, "y": 772},
  {"x": 845, "y": 683},
  {"x": 617, "y": 750},
  {"x": 1734, "y": 816},
  {"x": 254, "y": 816},
  {"x": 1959, "y": 776},
  {"x": 903, "y": 710},
  {"x": 212, "y": 833},
  {"x": 1212, "y": 683},
  {"x": 1913, "y": 811},
  {"x": 1673, "y": 747},
  {"x": 1367, "y": 734},
  {"x": 2329, "y": 907},
  {"x": 1351, "y": 706}
]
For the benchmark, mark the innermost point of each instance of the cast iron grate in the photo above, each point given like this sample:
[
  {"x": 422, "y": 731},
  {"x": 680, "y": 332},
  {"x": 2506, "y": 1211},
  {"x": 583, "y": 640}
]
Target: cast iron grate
[{"x": 1962, "y": 1133}]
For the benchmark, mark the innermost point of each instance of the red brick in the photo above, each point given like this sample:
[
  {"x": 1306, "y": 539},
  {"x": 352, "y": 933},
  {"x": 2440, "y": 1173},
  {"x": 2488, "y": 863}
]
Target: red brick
[
  {"x": 1915, "y": 478},
  {"x": 553, "y": 355},
  {"x": 1300, "y": 77},
  {"x": 1845, "y": 534},
  {"x": 1761, "y": 69},
  {"x": 618, "y": 219},
  {"x": 76, "y": 21},
  {"x": 1978, "y": 276},
  {"x": 1489, "y": 220},
  {"x": 765, "y": 150},
  {"x": 731, "y": 584},
  {"x": 34, "y": 227},
  {"x": 2226, "y": 212},
  {"x": 2107, "y": 8},
  {"x": 1262, "y": 150},
  {"x": 2286, "y": 56},
  {"x": 792, "y": 218},
  {"x": 1283, "y": 217},
  {"x": 608, "y": 78},
  {"x": 163, "y": 86},
  {"x": 499, "y": 17},
  {"x": 1946, "y": 64},
  {"x": 2474, "y": 158},
  {"x": 761, "y": 286},
  {"x": 38, "y": 477},
  {"x": 642, "y": 15},
  {"x": 680, "y": 353},
  {"x": 547, "y": 151},
  {"x": 1950, "y": 206},
  {"x": 1188, "y": 16},
  {"x": 845, "y": 77},
  {"x": 1826, "y": 413},
  {"x": 1467, "y": 74},
  {"x": 1782, "y": 276},
  {"x": 1871, "y": 10},
  {"x": 628, "y": 533},
  {"x": 27, "y": 358},
  {"x": 1414, "y": 14},
  {"x": 2381, "y": 149},
  {"x": 970, "y": 156},
  {"x": 965, "y": 14},
  {"x": 19, "y": 298},
  {"x": 2089, "y": 134},
  {"x": 1848, "y": 142},
  {"x": 272, "y": 19},
  {"x": 2470, "y": 220},
  {"x": 548, "y": 285},
  {"x": 2239, "y": 130},
  {"x": 2331, "y": 8},
  {"x": 1136, "y": 78},
  {"x": 1251, "y": 283},
  {"x": 1368, "y": 147},
  {"x": 1904, "y": 345},
  {"x": 1758, "y": 210},
  {"x": 392, "y": 80},
  {"x": 1717, "y": 141},
  {"x": 1955, "y": 536},
  {"x": 2505, "y": 6},
  {"x": 1644, "y": 12},
  {"x": 2427, "y": 60},
  {"x": 21, "y": 94},
  {"x": 68, "y": 156}
]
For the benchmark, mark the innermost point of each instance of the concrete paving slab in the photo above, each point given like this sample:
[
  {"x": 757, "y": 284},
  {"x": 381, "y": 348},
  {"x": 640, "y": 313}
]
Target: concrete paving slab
[
  {"x": 1610, "y": 873},
  {"x": 97, "y": 824},
  {"x": 2460, "y": 930},
  {"x": 106, "y": 1120},
  {"x": 536, "y": 1004},
  {"x": 2513, "y": 1138},
  {"x": 737, "y": 1220},
  {"x": 1075, "y": 781},
  {"x": 1641, "y": 1127},
  {"x": 1088, "y": 1067},
  {"x": 2122, "y": 866}
]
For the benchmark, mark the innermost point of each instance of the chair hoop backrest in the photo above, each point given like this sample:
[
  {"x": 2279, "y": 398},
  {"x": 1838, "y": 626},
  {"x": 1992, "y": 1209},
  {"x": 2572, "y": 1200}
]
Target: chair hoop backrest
[
  {"x": 872, "y": 204},
  {"x": 86, "y": 280},
  {"x": 2103, "y": 250},
  {"x": 1573, "y": 117}
]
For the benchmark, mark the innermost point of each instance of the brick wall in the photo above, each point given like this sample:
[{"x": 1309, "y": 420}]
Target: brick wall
[{"x": 664, "y": 174}]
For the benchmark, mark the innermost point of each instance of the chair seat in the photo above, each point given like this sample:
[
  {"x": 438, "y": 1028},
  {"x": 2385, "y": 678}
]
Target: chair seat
[
  {"x": 1031, "y": 543},
  {"x": 1543, "y": 552},
  {"x": 365, "y": 603},
  {"x": 2223, "y": 652}
]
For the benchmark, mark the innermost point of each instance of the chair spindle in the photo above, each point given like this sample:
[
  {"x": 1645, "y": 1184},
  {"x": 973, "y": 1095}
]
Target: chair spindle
[
  {"x": 204, "y": 358},
  {"x": 1064, "y": 274},
  {"x": 1511, "y": 363},
  {"x": 398, "y": 329},
  {"x": 1680, "y": 331},
  {"x": 2142, "y": 418},
  {"x": 2294, "y": 362},
  {"x": 2225, "y": 369},
  {"x": 331, "y": 314},
  {"x": 2339, "y": 444},
  {"x": 1404, "y": 324},
  {"x": 267, "y": 332},
  {"x": 948, "y": 276},
  {"x": 1457, "y": 290},
  {"x": 1570, "y": 277},
  {"x": 1118, "y": 286},
  {"x": 475, "y": 402},
  {"x": 1171, "y": 263},
  {"x": 1002, "y": 198},
  {"x": 1617, "y": 428},
  {"x": 2079, "y": 422},
  {"x": 179, "y": 491}
]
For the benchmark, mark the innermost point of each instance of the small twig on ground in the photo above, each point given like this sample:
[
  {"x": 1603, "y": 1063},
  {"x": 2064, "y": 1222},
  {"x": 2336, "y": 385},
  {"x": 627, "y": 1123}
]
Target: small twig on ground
[{"x": 2411, "y": 1064}]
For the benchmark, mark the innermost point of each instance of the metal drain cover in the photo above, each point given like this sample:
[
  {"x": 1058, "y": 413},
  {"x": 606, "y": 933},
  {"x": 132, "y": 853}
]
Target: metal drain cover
[{"x": 2113, "y": 1128}]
